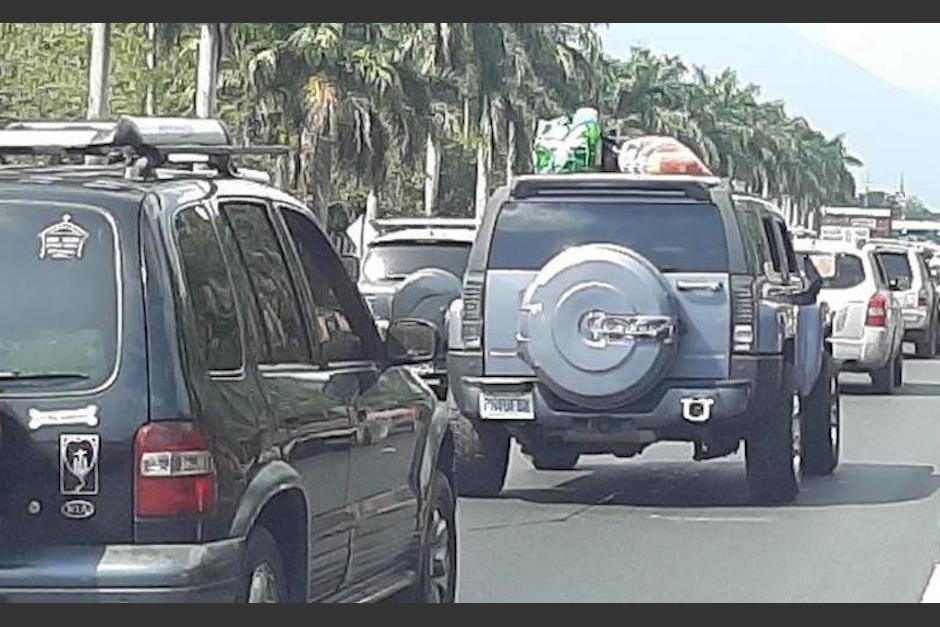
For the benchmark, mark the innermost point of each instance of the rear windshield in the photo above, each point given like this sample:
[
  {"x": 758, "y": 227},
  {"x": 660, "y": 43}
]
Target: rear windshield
[
  {"x": 837, "y": 271},
  {"x": 396, "y": 261},
  {"x": 896, "y": 265},
  {"x": 674, "y": 236},
  {"x": 60, "y": 309}
]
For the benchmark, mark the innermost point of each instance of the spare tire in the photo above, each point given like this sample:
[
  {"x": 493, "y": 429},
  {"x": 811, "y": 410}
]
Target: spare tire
[
  {"x": 598, "y": 325},
  {"x": 426, "y": 295}
]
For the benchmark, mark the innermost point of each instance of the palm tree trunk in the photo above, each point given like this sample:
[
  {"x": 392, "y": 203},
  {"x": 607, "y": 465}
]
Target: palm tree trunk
[
  {"x": 483, "y": 158},
  {"x": 432, "y": 173},
  {"x": 466, "y": 120},
  {"x": 207, "y": 72},
  {"x": 98, "y": 68},
  {"x": 510, "y": 150},
  {"x": 150, "y": 105}
]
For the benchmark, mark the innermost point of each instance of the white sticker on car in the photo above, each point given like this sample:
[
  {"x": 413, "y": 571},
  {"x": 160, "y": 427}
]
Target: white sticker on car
[
  {"x": 63, "y": 241},
  {"x": 87, "y": 416},
  {"x": 78, "y": 464}
]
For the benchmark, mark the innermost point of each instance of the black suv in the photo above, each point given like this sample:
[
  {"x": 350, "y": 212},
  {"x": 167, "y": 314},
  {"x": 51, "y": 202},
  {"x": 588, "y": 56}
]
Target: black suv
[
  {"x": 604, "y": 312},
  {"x": 195, "y": 403}
]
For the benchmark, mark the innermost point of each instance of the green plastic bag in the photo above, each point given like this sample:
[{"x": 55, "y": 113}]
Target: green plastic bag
[{"x": 568, "y": 144}]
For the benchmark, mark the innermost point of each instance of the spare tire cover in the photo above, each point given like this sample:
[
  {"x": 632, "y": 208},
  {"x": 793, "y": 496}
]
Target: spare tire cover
[
  {"x": 425, "y": 294},
  {"x": 598, "y": 325}
]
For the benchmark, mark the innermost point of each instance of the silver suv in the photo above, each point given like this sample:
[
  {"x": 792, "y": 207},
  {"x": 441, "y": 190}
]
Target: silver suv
[{"x": 604, "y": 312}]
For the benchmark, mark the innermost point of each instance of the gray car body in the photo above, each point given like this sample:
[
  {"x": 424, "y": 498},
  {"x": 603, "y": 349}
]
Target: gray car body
[{"x": 786, "y": 353}]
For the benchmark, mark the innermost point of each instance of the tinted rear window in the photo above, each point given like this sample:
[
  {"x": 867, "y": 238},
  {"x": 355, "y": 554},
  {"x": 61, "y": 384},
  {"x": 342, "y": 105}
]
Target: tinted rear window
[
  {"x": 676, "y": 237},
  {"x": 60, "y": 315},
  {"x": 396, "y": 261},
  {"x": 896, "y": 265},
  {"x": 837, "y": 271}
]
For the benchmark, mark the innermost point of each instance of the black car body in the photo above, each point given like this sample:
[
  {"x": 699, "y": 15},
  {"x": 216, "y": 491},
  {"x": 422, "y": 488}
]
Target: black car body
[{"x": 187, "y": 374}]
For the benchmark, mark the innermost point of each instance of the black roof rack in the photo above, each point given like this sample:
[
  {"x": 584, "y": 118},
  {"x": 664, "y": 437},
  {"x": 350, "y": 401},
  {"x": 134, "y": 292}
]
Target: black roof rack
[{"x": 143, "y": 143}]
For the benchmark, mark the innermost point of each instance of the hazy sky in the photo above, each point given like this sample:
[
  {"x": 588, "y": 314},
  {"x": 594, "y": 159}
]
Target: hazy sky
[{"x": 906, "y": 55}]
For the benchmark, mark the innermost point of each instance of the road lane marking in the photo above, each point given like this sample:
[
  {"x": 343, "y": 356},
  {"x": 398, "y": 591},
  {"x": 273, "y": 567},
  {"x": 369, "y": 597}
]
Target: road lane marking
[
  {"x": 932, "y": 591},
  {"x": 723, "y": 519}
]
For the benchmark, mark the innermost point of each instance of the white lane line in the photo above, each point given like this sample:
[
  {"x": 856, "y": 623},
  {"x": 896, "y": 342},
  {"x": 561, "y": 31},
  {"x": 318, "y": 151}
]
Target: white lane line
[
  {"x": 725, "y": 519},
  {"x": 932, "y": 591}
]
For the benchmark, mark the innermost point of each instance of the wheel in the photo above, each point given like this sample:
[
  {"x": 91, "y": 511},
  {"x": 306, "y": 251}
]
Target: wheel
[
  {"x": 263, "y": 578},
  {"x": 773, "y": 453},
  {"x": 482, "y": 455},
  {"x": 437, "y": 568},
  {"x": 555, "y": 460},
  {"x": 884, "y": 380},
  {"x": 822, "y": 422}
]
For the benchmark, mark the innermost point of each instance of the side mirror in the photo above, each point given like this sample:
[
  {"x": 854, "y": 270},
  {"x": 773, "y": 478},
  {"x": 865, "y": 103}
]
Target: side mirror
[
  {"x": 411, "y": 341},
  {"x": 351, "y": 263}
]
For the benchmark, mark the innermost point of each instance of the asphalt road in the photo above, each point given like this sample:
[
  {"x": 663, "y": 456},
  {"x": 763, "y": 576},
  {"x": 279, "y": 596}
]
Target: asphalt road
[{"x": 662, "y": 528}]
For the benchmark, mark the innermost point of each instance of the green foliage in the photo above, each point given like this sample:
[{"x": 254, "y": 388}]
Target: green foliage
[{"x": 356, "y": 101}]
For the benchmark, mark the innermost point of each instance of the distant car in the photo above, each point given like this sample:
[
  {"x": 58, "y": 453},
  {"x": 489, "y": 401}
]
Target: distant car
[
  {"x": 866, "y": 320},
  {"x": 417, "y": 271},
  {"x": 905, "y": 268}
]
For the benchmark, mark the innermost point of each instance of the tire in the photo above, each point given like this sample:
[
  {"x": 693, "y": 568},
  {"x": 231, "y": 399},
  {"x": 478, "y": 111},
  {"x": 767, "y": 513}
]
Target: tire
[
  {"x": 884, "y": 380},
  {"x": 437, "y": 562},
  {"x": 555, "y": 460},
  {"x": 482, "y": 455},
  {"x": 263, "y": 579},
  {"x": 772, "y": 454},
  {"x": 822, "y": 423}
]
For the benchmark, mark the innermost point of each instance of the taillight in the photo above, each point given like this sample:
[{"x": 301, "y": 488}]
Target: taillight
[
  {"x": 471, "y": 329},
  {"x": 175, "y": 470},
  {"x": 742, "y": 314},
  {"x": 877, "y": 311},
  {"x": 922, "y": 298}
]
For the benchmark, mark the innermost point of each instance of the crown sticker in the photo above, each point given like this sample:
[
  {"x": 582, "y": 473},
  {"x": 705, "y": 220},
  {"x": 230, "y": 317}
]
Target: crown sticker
[{"x": 63, "y": 241}]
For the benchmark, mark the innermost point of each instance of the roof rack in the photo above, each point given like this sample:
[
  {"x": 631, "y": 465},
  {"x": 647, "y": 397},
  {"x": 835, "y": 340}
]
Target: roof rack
[{"x": 143, "y": 143}]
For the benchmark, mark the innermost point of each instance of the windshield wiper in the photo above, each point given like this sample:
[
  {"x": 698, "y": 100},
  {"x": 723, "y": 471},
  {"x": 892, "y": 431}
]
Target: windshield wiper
[{"x": 19, "y": 375}]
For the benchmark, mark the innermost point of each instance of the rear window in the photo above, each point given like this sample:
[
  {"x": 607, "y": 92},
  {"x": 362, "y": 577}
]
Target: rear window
[
  {"x": 896, "y": 265},
  {"x": 61, "y": 263},
  {"x": 674, "y": 236},
  {"x": 398, "y": 260},
  {"x": 837, "y": 271}
]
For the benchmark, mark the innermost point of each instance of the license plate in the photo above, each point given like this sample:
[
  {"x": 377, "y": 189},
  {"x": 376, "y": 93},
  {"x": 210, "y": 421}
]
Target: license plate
[{"x": 507, "y": 407}]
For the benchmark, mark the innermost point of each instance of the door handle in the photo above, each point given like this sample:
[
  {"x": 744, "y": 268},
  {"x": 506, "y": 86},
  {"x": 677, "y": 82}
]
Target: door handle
[{"x": 689, "y": 286}]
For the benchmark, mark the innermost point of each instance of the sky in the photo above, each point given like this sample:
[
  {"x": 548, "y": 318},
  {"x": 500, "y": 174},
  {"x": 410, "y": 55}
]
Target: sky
[{"x": 905, "y": 55}]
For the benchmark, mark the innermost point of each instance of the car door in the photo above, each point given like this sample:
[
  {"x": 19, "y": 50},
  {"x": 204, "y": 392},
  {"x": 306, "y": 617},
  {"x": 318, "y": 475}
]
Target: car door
[
  {"x": 391, "y": 409},
  {"x": 310, "y": 404}
]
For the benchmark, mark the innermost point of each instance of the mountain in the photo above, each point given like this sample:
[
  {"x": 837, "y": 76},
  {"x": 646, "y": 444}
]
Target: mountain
[{"x": 890, "y": 129}]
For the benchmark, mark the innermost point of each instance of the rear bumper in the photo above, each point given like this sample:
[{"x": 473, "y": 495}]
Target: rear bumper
[
  {"x": 121, "y": 573},
  {"x": 752, "y": 378},
  {"x": 869, "y": 352},
  {"x": 915, "y": 318}
]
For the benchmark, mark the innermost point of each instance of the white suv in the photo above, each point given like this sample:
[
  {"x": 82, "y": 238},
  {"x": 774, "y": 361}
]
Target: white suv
[{"x": 867, "y": 322}]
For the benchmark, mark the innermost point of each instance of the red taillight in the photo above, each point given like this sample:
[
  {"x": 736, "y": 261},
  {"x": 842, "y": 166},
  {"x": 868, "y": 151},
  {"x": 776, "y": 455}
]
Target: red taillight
[
  {"x": 922, "y": 298},
  {"x": 174, "y": 469},
  {"x": 877, "y": 311}
]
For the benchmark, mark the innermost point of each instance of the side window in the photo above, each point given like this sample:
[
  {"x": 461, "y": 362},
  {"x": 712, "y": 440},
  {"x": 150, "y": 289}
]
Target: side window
[
  {"x": 755, "y": 242},
  {"x": 342, "y": 323},
  {"x": 210, "y": 290},
  {"x": 270, "y": 280},
  {"x": 792, "y": 264},
  {"x": 776, "y": 256}
]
